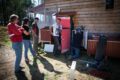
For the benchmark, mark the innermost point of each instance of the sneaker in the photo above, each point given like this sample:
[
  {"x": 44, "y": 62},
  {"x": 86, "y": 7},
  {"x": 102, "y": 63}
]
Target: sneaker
[
  {"x": 26, "y": 60},
  {"x": 21, "y": 67},
  {"x": 18, "y": 71}
]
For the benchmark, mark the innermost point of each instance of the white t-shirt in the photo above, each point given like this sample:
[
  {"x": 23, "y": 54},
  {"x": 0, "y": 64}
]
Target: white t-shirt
[{"x": 56, "y": 29}]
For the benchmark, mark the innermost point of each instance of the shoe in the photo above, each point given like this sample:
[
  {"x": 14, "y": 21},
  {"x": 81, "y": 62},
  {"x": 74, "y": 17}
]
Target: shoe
[
  {"x": 21, "y": 67},
  {"x": 26, "y": 60},
  {"x": 18, "y": 71},
  {"x": 56, "y": 55}
]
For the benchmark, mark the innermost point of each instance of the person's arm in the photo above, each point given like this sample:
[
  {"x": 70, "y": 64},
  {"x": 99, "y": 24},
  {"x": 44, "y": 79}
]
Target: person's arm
[
  {"x": 13, "y": 29},
  {"x": 51, "y": 30},
  {"x": 61, "y": 27},
  {"x": 26, "y": 33},
  {"x": 33, "y": 32},
  {"x": 11, "y": 35}
]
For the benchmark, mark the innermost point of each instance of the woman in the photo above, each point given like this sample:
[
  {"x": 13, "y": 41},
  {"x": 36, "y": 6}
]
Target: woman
[
  {"x": 15, "y": 34},
  {"x": 26, "y": 40}
]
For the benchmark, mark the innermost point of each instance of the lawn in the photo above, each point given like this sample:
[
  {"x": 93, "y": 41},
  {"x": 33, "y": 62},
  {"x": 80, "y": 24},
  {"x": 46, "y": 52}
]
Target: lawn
[{"x": 45, "y": 67}]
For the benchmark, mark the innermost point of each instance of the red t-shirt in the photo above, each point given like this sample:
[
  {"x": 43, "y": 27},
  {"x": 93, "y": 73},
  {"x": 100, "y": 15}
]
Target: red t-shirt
[{"x": 16, "y": 30}]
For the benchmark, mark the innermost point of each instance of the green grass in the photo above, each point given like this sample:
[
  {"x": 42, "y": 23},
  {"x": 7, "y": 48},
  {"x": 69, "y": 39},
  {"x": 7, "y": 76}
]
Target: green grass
[{"x": 4, "y": 39}]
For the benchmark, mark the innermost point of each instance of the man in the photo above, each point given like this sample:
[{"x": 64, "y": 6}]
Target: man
[
  {"x": 35, "y": 32},
  {"x": 76, "y": 43},
  {"x": 15, "y": 34},
  {"x": 57, "y": 28}
]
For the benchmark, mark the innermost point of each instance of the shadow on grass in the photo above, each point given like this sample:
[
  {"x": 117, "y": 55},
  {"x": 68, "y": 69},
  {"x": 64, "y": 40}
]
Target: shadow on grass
[
  {"x": 104, "y": 74},
  {"x": 62, "y": 57},
  {"x": 47, "y": 65},
  {"x": 109, "y": 70},
  {"x": 21, "y": 76},
  {"x": 34, "y": 71}
]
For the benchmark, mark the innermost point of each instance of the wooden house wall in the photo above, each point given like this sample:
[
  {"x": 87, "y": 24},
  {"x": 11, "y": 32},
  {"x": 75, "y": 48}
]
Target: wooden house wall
[{"x": 91, "y": 13}]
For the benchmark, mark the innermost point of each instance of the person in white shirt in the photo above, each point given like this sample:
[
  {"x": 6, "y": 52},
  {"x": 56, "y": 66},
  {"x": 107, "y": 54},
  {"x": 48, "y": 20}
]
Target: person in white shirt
[{"x": 57, "y": 29}]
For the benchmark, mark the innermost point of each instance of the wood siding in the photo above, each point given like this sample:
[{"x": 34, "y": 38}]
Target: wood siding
[
  {"x": 112, "y": 48},
  {"x": 91, "y": 13}
]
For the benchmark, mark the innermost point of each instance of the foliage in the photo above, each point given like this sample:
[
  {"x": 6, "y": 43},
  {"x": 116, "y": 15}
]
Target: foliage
[{"x": 18, "y": 7}]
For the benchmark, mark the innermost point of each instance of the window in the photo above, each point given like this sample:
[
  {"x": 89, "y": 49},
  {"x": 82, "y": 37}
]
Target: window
[{"x": 109, "y": 4}]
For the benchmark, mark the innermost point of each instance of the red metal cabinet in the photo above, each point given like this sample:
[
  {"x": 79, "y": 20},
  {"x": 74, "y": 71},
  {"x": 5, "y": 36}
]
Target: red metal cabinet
[{"x": 65, "y": 41}]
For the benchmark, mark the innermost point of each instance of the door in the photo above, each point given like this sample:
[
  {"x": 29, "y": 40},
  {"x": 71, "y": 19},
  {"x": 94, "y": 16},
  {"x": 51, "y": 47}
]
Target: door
[{"x": 65, "y": 35}]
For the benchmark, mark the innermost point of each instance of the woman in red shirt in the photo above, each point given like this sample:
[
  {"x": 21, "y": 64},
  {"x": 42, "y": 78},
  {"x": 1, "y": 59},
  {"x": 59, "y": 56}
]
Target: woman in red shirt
[{"x": 15, "y": 34}]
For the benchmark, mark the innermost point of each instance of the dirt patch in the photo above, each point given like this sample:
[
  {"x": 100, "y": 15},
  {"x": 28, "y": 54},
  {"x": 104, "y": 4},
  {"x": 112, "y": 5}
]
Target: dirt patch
[
  {"x": 45, "y": 67},
  {"x": 6, "y": 62},
  {"x": 55, "y": 68}
]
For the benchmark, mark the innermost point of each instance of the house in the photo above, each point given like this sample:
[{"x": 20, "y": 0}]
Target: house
[{"x": 98, "y": 17}]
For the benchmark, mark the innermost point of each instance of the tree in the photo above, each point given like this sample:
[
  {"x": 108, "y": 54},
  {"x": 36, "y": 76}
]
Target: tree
[{"x": 18, "y": 7}]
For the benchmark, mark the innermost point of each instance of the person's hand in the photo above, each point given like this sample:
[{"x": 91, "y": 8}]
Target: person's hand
[
  {"x": 59, "y": 47},
  {"x": 21, "y": 29},
  {"x": 52, "y": 34},
  {"x": 30, "y": 31},
  {"x": 25, "y": 32},
  {"x": 75, "y": 31},
  {"x": 35, "y": 35},
  {"x": 11, "y": 35}
]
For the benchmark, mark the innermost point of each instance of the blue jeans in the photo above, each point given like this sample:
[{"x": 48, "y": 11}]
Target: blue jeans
[
  {"x": 28, "y": 45},
  {"x": 75, "y": 52},
  {"x": 57, "y": 44},
  {"x": 17, "y": 46}
]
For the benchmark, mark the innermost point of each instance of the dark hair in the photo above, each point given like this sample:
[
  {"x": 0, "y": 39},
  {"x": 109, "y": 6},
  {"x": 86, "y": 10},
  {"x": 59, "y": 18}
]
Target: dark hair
[
  {"x": 25, "y": 21},
  {"x": 13, "y": 17},
  {"x": 59, "y": 19},
  {"x": 36, "y": 18}
]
